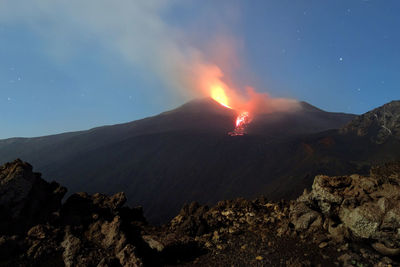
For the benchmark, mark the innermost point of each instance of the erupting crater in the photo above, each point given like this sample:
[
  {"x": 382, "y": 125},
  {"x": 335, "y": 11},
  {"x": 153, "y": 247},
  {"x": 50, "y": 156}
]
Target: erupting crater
[{"x": 243, "y": 119}]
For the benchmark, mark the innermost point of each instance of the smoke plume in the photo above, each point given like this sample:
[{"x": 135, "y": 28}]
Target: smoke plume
[{"x": 137, "y": 31}]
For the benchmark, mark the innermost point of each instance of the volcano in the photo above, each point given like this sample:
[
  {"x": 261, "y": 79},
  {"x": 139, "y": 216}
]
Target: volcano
[{"x": 186, "y": 154}]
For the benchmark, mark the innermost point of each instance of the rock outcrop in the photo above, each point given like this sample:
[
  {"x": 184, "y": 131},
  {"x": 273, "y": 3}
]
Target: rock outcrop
[
  {"x": 344, "y": 220},
  {"x": 87, "y": 230},
  {"x": 354, "y": 208},
  {"x": 379, "y": 124},
  {"x": 25, "y": 198}
]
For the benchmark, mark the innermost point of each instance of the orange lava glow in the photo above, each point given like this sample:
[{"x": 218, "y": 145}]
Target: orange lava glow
[
  {"x": 242, "y": 119},
  {"x": 219, "y": 95}
]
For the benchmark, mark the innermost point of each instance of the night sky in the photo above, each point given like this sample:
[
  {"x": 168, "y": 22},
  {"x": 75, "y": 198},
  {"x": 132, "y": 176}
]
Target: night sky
[{"x": 73, "y": 65}]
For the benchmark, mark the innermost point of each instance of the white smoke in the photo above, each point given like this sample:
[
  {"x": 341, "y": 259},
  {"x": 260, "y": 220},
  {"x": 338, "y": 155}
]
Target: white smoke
[
  {"x": 136, "y": 30},
  {"x": 133, "y": 28}
]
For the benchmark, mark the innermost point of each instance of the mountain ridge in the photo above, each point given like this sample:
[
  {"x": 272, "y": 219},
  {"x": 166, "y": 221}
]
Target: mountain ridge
[
  {"x": 379, "y": 124},
  {"x": 186, "y": 154},
  {"x": 303, "y": 104}
]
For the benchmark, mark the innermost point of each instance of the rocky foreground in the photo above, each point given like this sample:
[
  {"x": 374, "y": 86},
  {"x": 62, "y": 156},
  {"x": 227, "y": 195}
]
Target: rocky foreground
[{"x": 344, "y": 220}]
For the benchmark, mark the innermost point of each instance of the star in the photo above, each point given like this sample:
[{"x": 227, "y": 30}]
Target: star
[{"x": 341, "y": 59}]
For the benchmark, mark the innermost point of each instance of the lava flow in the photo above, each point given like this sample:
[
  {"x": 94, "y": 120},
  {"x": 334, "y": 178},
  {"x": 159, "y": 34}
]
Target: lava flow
[
  {"x": 241, "y": 124},
  {"x": 242, "y": 120}
]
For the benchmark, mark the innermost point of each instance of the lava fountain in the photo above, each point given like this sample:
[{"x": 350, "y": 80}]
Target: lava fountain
[
  {"x": 219, "y": 95},
  {"x": 243, "y": 118}
]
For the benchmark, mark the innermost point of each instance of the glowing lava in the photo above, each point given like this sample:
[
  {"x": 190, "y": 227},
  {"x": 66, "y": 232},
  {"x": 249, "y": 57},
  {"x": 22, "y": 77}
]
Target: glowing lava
[
  {"x": 218, "y": 94},
  {"x": 241, "y": 124},
  {"x": 242, "y": 120}
]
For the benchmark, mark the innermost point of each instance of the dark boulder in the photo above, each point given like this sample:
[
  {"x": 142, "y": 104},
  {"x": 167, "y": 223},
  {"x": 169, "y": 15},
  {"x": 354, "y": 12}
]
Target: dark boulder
[{"x": 25, "y": 198}]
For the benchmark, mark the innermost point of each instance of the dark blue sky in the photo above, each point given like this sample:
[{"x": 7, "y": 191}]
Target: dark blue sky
[{"x": 72, "y": 67}]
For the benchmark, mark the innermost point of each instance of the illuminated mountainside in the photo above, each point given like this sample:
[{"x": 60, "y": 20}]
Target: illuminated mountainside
[{"x": 186, "y": 154}]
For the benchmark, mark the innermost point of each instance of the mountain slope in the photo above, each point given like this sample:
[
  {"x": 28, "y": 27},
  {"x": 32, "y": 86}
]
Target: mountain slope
[
  {"x": 201, "y": 116},
  {"x": 185, "y": 154},
  {"x": 379, "y": 124},
  {"x": 308, "y": 119}
]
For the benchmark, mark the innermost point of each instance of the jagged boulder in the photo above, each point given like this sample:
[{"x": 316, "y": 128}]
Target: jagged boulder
[
  {"x": 25, "y": 198},
  {"x": 363, "y": 221},
  {"x": 101, "y": 242},
  {"x": 191, "y": 220},
  {"x": 103, "y": 224},
  {"x": 355, "y": 207},
  {"x": 304, "y": 218},
  {"x": 82, "y": 208},
  {"x": 92, "y": 230},
  {"x": 87, "y": 230}
]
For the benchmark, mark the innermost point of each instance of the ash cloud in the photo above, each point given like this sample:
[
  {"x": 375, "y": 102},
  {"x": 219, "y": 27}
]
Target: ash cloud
[
  {"x": 137, "y": 32},
  {"x": 134, "y": 29}
]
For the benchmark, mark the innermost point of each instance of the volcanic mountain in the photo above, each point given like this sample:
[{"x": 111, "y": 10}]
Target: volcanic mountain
[{"x": 185, "y": 154}]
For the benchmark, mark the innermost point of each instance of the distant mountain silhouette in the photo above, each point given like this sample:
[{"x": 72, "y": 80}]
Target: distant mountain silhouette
[{"x": 186, "y": 154}]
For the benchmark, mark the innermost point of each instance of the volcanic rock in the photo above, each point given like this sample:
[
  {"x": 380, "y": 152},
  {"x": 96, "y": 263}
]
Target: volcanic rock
[
  {"x": 342, "y": 220},
  {"x": 379, "y": 124},
  {"x": 304, "y": 218},
  {"x": 85, "y": 231},
  {"x": 25, "y": 198},
  {"x": 366, "y": 207}
]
